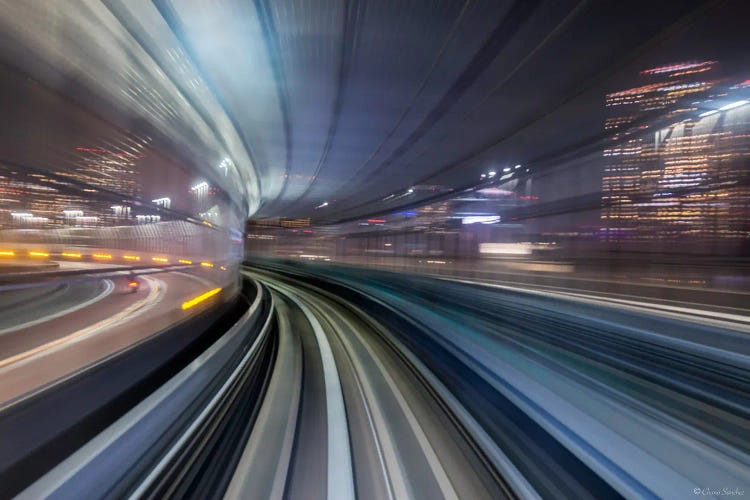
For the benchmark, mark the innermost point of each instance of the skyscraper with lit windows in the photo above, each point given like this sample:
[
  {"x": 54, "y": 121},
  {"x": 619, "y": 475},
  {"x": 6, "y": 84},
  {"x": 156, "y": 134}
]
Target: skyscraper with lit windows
[
  {"x": 51, "y": 198},
  {"x": 673, "y": 173}
]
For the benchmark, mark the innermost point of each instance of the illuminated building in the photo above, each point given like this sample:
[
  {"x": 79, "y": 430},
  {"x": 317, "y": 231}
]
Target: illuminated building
[
  {"x": 294, "y": 222},
  {"x": 36, "y": 195},
  {"x": 164, "y": 202},
  {"x": 660, "y": 88},
  {"x": 684, "y": 179},
  {"x": 701, "y": 189},
  {"x": 110, "y": 170},
  {"x": 114, "y": 171},
  {"x": 206, "y": 200},
  {"x": 53, "y": 198}
]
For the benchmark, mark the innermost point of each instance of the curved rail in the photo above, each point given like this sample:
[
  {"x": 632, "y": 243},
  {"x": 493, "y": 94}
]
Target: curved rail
[
  {"x": 334, "y": 386},
  {"x": 557, "y": 397}
]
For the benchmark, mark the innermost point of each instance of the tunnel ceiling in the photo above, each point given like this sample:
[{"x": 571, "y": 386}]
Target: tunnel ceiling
[{"x": 344, "y": 107}]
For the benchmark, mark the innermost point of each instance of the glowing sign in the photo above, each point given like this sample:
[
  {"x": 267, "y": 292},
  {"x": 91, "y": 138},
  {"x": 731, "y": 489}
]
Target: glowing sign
[
  {"x": 481, "y": 219},
  {"x": 505, "y": 248}
]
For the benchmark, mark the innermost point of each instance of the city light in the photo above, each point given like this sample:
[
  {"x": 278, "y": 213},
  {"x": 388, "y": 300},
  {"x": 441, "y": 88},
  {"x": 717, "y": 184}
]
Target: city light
[
  {"x": 481, "y": 219},
  {"x": 506, "y": 169},
  {"x": 200, "y": 298},
  {"x": 206, "y": 264},
  {"x": 145, "y": 219},
  {"x": 86, "y": 220},
  {"x": 185, "y": 261},
  {"x": 322, "y": 205},
  {"x": 684, "y": 154},
  {"x": 119, "y": 210},
  {"x": 199, "y": 186},
  {"x": 163, "y": 202},
  {"x": 102, "y": 256},
  {"x": 37, "y": 253},
  {"x": 410, "y": 190},
  {"x": 160, "y": 259},
  {"x": 675, "y": 69},
  {"x": 131, "y": 257},
  {"x": 225, "y": 163},
  {"x": 505, "y": 248},
  {"x": 492, "y": 173},
  {"x": 71, "y": 255},
  {"x": 7, "y": 253}
]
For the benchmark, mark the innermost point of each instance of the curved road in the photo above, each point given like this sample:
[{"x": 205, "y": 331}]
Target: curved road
[{"x": 60, "y": 329}]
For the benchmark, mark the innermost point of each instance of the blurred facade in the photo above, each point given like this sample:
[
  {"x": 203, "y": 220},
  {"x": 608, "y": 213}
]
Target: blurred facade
[
  {"x": 88, "y": 194},
  {"x": 683, "y": 180},
  {"x": 666, "y": 197}
]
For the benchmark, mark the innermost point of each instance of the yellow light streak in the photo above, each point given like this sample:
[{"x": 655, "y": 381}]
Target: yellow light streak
[
  {"x": 185, "y": 261},
  {"x": 37, "y": 253},
  {"x": 103, "y": 256},
  {"x": 206, "y": 264},
  {"x": 71, "y": 255},
  {"x": 200, "y": 298},
  {"x": 131, "y": 257},
  {"x": 159, "y": 259},
  {"x": 7, "y": 253}
]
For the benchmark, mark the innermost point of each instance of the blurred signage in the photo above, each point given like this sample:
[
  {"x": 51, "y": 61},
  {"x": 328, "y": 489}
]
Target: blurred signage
[
  {"x": 481, "y": 219},
  {"x": 505, "y": 248}
]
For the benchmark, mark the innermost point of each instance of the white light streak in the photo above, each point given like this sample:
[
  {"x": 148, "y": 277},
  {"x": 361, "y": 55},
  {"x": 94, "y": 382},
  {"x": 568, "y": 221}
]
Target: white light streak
[{"x": 733, "y": 105}]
